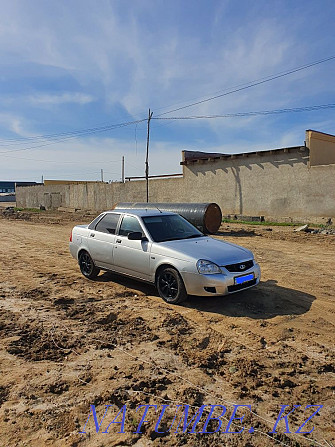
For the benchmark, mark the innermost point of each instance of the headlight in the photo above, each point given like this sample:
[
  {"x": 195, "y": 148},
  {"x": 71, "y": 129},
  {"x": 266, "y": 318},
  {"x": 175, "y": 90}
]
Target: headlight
[{"x": 207, "y": 267}]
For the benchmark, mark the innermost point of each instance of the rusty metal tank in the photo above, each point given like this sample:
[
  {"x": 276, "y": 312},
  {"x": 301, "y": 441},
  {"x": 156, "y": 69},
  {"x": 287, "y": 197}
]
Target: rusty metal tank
[{"x": 205, "y": 216}]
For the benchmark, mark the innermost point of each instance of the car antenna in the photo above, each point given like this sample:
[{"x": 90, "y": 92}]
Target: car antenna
[{"x": 155, "y": 207}]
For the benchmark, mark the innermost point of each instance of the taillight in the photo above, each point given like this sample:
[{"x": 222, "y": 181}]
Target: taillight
[{"x": 71, "y": 237}]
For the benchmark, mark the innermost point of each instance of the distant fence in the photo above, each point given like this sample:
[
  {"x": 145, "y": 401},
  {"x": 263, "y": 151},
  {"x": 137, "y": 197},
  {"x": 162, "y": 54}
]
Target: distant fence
[{"x": 98, "y": 196}]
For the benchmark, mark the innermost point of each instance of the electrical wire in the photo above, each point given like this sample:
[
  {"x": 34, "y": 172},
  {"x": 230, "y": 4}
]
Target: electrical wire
[
  {"x": 75, "y": 135},
  {"x": 70, "y": 133},
  {"x": 263, "y": 112},
  {"x": 252, "y": 84},
  {"x": 227, "y": 115}
]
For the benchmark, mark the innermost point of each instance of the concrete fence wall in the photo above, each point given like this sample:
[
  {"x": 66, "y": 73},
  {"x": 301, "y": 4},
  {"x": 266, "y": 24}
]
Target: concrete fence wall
[
  {"x": 98, "y": 196},
  {"x": 275, "y": 185},
  {"x": 281, "y": 184}
]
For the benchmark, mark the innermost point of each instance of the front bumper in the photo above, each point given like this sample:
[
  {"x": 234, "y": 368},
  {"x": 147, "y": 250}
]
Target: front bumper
[{"x": 218, "y": 284}]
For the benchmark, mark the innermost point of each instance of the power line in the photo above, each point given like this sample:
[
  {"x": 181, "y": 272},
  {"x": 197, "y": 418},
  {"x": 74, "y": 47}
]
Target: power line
[
  {"x": 251, "y": 84},
  {"x": 70, "y": 133},
  {"x": 227, "y": 115},
  {"x": 75, "y": 134},
  {"x": 263, "y": 112}
]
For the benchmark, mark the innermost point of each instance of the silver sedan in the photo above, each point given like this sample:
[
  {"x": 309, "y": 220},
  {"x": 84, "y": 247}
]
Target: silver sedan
[{"x": 164, "y": 249}]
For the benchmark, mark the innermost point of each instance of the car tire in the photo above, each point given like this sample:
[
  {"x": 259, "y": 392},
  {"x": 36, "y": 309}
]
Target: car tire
[
  {"x": 87, "y": 267},
  {"x": 170, "y": 286}
]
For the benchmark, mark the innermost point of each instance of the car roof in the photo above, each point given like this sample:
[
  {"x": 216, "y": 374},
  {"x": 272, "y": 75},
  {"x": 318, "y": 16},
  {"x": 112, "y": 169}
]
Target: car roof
[{"x": 140, "y": 212}]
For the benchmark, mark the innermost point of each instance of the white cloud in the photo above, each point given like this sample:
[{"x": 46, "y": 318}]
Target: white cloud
[
  {"x": 63, "y": 98},
  {"x": 15, "y": 123}
]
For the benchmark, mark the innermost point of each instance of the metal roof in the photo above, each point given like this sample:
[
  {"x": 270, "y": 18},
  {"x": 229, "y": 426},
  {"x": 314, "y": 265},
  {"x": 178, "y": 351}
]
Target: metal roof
[{"x": 198, "y": 157}]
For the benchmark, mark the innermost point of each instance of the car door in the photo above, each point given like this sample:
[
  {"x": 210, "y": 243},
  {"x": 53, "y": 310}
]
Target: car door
[
  {"x": 132, "y": 257},
  {"x": 101, "y": 240}
]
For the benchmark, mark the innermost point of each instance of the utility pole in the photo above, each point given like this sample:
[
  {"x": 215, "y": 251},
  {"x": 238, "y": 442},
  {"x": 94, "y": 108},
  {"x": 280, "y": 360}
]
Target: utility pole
[
  {"x": 122, "y": 170},
  {"x": 102, "y": 175},
  {"x": 147, "y": 157}
]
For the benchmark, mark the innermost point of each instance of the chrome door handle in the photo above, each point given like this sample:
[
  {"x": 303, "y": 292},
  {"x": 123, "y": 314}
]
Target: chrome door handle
[
  {"x": 118, "y": 241},
  {"x": 92, "y": 235}
]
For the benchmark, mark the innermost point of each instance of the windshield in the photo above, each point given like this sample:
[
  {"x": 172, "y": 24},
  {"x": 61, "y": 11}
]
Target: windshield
[{"x": 170, "y": 227}]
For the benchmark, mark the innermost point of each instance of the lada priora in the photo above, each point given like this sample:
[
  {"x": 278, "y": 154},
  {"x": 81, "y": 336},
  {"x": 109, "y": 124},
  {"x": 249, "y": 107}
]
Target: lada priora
[{"x": 164, "y": 249}]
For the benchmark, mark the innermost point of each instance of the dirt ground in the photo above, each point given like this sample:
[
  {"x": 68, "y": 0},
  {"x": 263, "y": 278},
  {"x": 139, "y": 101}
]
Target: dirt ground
[{"x": 68, "y": 343}]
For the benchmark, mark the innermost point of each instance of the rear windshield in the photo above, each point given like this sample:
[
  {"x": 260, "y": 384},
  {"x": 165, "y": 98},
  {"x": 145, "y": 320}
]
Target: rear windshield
[{"x": 170, "y": 227}]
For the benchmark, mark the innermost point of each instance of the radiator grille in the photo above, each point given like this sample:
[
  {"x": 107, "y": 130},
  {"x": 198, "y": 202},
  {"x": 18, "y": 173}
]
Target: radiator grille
[{"x": 241, "y": 267}]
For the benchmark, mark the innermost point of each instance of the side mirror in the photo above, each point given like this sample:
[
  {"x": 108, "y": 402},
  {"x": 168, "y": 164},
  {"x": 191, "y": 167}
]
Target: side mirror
[{"x": 135, "y": 236}]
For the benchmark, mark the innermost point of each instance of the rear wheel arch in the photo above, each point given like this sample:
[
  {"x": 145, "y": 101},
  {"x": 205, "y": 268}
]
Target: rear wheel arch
[
  {"x": 86, "y": 264},
  {"x": 80, "y": 252}
]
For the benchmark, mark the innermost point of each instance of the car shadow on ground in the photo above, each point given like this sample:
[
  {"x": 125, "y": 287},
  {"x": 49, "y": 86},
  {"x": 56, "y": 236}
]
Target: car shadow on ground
[
  {"x": 130, "y": 283},
  {"x": 266, "y": 300}
]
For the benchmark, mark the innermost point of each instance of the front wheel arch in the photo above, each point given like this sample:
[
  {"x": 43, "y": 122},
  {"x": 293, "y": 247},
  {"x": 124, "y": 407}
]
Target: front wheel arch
[
  {"x": 176, "y": 292},
  {"x": 162, "y": 267}
]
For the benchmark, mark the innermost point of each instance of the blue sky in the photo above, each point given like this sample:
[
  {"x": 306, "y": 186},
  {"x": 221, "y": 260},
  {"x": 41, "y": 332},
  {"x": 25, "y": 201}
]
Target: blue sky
[{"x": 74, "y": 65}]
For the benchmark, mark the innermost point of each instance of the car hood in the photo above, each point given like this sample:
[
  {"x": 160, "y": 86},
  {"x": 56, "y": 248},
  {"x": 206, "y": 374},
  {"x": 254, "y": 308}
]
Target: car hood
[{"x": 220, "y": 252}]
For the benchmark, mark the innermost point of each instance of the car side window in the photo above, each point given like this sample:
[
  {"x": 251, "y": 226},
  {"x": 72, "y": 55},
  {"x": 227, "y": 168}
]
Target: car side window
[
  {"x": 108, "y": 223},
  {"x": 94, "y": 222},
  {"x": 128, "y": 225}
]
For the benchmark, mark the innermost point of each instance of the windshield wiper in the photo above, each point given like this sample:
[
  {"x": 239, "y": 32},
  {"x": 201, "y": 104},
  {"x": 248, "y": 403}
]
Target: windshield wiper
[
  {"x": 181, "y": 238},
  {"x": 193, "y": 236},
  {"x": 172, "y": 239}
]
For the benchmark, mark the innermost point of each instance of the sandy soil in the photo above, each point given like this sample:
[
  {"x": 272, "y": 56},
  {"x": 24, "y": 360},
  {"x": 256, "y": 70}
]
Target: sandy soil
[{"x": 68, "y": 343}]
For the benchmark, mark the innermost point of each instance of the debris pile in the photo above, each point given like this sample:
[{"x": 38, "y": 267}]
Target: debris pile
[
  {"x": 11, "y": 213},
  {"x": 327, "y": 230}
]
